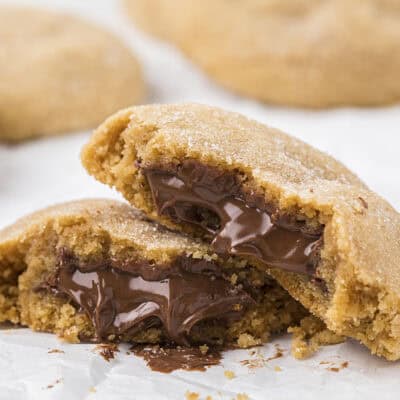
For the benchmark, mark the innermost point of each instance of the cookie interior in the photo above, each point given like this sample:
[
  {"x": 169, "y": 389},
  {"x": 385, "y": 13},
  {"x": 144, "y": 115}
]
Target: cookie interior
[{"x": 78, "y": 280}]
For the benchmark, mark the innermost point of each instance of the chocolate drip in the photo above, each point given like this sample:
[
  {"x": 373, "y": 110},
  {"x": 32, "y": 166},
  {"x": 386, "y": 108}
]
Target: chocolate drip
[
  {"x": 174, "y": 297},
  {"x": 239, "y": 223}
]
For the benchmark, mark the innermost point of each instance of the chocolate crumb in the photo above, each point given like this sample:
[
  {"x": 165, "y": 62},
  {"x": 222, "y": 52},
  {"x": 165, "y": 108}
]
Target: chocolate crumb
[
  {"x": 50, "y": 386},
  {"x": 56, "y": 351},
  {"x": 260, "y": 361},
  {"x": 334, "y": 367},
  {"x": 107, "y": 350}
]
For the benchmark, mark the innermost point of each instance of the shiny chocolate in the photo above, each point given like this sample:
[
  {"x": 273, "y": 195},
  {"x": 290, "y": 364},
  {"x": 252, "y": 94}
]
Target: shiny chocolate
[
  {"x": 238, "y": 223},
  {"x": 175, "y": 297}
]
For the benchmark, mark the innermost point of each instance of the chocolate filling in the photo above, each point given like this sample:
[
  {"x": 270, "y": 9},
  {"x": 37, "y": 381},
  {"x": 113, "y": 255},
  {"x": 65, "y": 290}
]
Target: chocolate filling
[
  {"x": 238, "y": 223},
  {"x": 123, "y": 301}
]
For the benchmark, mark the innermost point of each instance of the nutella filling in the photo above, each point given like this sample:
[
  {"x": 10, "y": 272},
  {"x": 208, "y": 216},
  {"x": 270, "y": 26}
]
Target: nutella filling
[
  {"x": 139, "y": 296},
  {"x": 239, "y": 223}
]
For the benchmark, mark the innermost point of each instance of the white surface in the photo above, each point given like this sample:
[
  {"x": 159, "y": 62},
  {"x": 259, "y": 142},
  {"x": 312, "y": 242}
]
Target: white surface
[{"x": 43, "y": 172}]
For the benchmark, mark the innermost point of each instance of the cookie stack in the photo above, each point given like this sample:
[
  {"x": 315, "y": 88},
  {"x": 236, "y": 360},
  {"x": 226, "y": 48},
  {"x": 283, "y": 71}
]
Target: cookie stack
[{"x": 242, "y": 232}]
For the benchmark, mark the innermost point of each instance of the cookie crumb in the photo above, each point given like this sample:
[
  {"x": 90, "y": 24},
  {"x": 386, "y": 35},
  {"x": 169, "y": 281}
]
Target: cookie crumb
[
  {"x": 234, "y": 279},
  {"x": 209, "y": 398},
  {"x": 229, "y": 374},
  {"x": 92, "y": 389},
  {"x": 310, "y": 335},
  {"x": 242, "y": 396},
  {"x": 278, "y": 369},
  {"x": 192, "y": 396},
  {"x": 245, "y": 340}
]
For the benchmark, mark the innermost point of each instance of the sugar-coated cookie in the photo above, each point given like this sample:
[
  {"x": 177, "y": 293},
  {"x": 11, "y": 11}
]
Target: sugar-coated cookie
[
  {"x": 256, "y": 193},
  {"x": 59, "y": 73},
  {"x": 310, "y": 53}
]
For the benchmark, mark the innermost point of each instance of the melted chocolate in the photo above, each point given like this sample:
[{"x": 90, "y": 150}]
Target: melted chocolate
[
  {"x": 175, "y": 297},
  {"x": 239, "y": 223},
  {"x": 168, "y": 359}
]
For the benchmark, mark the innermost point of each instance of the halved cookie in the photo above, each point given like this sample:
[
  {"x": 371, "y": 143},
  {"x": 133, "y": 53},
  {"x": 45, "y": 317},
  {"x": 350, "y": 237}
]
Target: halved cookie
[
  {"x": 256, "y": 193},
  {"x": 96, "y": 270}
]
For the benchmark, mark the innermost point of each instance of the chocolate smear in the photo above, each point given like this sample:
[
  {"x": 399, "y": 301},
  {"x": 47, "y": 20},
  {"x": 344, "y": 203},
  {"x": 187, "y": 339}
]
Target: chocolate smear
[{"x": 168, "y": 359}]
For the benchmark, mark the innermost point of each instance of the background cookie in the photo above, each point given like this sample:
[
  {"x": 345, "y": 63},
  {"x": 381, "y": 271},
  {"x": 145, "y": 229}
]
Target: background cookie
[
  {"x": 309, "y": 53},
  {"x": 59, "y": 73}
]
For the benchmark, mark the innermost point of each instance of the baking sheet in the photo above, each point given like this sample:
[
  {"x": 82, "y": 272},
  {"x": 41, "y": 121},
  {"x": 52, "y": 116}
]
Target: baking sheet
[{"x": 43, "y": 172}]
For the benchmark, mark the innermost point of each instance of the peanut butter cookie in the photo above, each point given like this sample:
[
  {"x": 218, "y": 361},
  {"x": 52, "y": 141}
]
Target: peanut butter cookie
[
  {"x": 311, "y": 53},
  {"x": 59, "y": 73},
  {"x": 270, "y": 199}
]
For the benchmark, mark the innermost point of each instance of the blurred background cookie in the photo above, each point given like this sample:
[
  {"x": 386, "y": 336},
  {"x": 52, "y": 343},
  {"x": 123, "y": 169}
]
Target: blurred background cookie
[
  {"x": 309, "y": 53},
  {"x": 60, "y": 73}
]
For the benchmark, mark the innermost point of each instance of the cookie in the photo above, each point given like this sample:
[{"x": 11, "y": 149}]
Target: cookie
[
  {"x": 96, "y": 270},
  {"x": 60, "y": 74},
  {"x": 267, "y": 198},
  {"x": 307, "y": 53}
]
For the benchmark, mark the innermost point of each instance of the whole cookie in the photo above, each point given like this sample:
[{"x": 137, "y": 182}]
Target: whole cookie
[
  {"x": 59, "y": 73},
  {"x": 312, "y": 53}
]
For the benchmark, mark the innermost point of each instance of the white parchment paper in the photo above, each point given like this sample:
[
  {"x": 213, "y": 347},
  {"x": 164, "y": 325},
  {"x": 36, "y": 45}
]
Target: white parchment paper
[{"x": 43, "y": 172}]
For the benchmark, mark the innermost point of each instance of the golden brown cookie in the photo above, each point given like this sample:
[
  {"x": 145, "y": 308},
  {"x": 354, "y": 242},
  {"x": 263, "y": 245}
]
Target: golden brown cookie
[
  {"x": 312, "y": 53},
  {"x": 60, "y": 73},
  {"x": 97, "y": 270},
  {"x": 259, "y": 194}
]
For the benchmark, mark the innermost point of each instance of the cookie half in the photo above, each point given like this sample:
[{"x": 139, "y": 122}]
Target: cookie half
[
  {"x": 60, "y": 73},
  {"x": 308, "y": 53},
  {"x": 272, "y": 200},
  {"x": 96, "y": 270}
]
